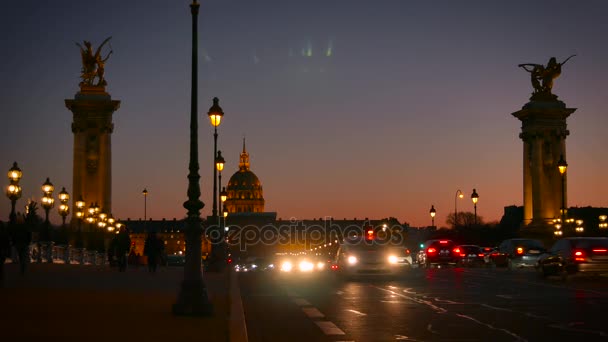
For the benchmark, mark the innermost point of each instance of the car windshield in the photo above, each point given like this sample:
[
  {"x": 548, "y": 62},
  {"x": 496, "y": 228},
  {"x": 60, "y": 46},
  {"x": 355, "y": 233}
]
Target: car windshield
[
  {"x": 529, "y": 244},
  {"x": 591, "y": 243}
]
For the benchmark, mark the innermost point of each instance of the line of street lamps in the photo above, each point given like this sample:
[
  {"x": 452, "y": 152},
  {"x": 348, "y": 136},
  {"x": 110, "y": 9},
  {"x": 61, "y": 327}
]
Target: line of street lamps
[{"x": 459, "y": 194}]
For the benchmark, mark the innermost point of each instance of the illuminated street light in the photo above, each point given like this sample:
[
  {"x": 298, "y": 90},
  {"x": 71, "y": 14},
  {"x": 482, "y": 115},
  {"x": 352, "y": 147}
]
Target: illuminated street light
[
  {"x": 13, "y": 191},
  {"x": 562, "y": 166},
  {"x": 64, "y": 208},
  {"x": 475, "y": 198},
  {"x": 458, "y": 195},
  {"x": 432, "y": 212},
  {"x": 215, "y": 116}
]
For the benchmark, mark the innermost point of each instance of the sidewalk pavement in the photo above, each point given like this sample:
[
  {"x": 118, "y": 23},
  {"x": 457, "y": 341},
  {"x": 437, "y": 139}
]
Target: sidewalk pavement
[{"x": 58, "y": 302}]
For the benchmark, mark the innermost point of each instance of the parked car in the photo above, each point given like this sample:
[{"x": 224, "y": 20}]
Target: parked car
[
  {"x": 469, "y": 255},
  {"x": 519, "y": 253},
  {"x": 573, "y": 255},
  {"x": 438, "y": 252}
]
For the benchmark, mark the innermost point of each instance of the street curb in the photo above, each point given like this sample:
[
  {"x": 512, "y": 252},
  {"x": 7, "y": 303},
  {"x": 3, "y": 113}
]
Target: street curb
[{"x": 238, "y": 326}]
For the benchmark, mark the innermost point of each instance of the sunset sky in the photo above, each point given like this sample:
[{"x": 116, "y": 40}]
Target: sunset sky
[{"x": 358, "y": 108}]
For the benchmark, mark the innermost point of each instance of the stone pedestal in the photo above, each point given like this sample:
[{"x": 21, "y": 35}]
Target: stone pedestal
[
  {"x": 544, "y": 133},
  {"x": 92, "y": 109}
]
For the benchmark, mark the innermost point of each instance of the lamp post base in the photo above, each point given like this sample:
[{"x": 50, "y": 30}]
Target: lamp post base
[{"x": 193, "y": 300}]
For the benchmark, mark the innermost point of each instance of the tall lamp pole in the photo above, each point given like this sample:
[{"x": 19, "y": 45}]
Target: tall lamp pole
[
  {"x": 192, "y": 299},
  {"x": 562, "y": 166},
  {"x": 432, "y": 212},
  {"x": 47, "y": 203},
  {"x": 13, "y": 191},
  {"x": 215, "y": 116},
  {"x": 475, "y": 198},
  {"x": 63, "y": 209},
  {"x": 458, "y": 195},
  {"x": 219, "y": 165},
  {"x": 145, "y": 193}
]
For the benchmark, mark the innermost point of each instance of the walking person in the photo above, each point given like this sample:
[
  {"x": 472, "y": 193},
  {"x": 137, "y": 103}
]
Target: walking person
[
  {"x": 152, "y": 250},
  {"x": 123, "y": 244},
  {"x": 5, "y": 250},
  {"x": 22, "y": 237}
]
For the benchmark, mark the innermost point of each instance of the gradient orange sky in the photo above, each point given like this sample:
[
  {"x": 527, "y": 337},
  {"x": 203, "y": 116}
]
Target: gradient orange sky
[{"x": 351, "y": 108}]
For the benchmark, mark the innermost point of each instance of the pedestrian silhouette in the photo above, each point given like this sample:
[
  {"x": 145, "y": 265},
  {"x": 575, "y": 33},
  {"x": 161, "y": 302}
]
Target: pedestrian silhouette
[
  {"x": 5, "y": 250},
  {"x": 123, "y": 244},
  {"x": 152, "y": 250}
]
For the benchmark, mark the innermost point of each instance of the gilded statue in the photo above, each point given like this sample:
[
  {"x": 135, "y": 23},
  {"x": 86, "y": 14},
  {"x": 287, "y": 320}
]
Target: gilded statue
[
  {"x": 93, "y": 65},
  {"x": 542, "y": 77}
]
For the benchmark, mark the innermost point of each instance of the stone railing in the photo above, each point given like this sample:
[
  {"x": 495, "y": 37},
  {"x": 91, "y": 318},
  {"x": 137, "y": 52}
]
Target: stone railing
[{"x": 62, "y": 254}]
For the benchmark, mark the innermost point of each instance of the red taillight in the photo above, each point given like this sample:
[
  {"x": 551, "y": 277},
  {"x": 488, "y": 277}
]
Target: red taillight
[
  {"x": 370, "y": 235},
  {"x": 456, "y": 250},
  {"x": 230, "y": 260},
  {"x": 334, "y": 267},
  {"x": 407, "y": 251},
  {"x": 431, "y": 250},
  {"x": 443, "y": 241},
  {"x": 480, "y": 255},
  {"x": 600, "y": 250},
  {"x": 494, "y": 254},
  {"x": 579, "y": 256},
  {"x": 462, "y": 254},
  {"x": 520, "y": 250}
]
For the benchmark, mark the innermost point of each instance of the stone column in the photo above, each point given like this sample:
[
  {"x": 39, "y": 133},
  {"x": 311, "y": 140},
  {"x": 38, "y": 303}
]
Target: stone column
[
  {"x": 543, "y": 132},
  {"x": 92, "y": 109}
]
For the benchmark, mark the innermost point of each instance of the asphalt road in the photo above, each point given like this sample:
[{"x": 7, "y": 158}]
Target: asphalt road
[{"x": 448, "y": 304}]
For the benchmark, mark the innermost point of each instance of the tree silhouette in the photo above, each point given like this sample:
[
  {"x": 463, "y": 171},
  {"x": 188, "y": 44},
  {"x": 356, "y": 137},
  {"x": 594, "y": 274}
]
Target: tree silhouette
[{"x": 464, "y": 219}]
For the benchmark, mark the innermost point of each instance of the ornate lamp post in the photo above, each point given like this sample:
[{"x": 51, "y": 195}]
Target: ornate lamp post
[
  {"x": 13, "y": 191},
  {"x": 475, "y": 198},
  {"x": 192, "y": 298},
  {"x": 47, "y": 203},
  {"x": 432, "y": 212},
  {"x": 562, "y": 166},
  {"x": 63, "y": 209},
  {"x": 219, "y": 165},
  {"x": 458, "y": 195},
  {"x": 215, "y": 115}
]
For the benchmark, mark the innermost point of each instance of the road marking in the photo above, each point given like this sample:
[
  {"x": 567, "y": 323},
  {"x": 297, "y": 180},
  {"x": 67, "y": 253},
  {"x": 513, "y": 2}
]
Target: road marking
[
  {"x": 505, "y": 296},
  {"x": 357, "y": 312},
  {"x": 490, "y": 326},
  {"x": 301, "y": 302},
  {"x": 313, "y": 312},
  {"x": 329, "y": 328},
  {"x": 416, "y": 300},
  {"x": 496, "y": 308},
  {"x": 570, "y": 327}
]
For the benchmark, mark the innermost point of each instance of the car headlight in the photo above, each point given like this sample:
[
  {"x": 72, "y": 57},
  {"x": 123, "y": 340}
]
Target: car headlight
[
  {"x": 320, "y": 265},
  {"x": 392, "y": 259},
  {"x": 305, "y": 266},
  {"x": 352, "y": 259},
  {"x": 286, "y": 266}
]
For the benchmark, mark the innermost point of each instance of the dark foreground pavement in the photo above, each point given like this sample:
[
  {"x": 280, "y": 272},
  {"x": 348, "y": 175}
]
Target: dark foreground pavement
[{"x": 55, "y": 302}]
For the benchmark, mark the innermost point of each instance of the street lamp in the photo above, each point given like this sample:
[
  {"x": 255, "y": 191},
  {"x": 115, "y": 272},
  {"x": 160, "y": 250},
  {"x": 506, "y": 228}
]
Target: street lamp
[
  {"x": 145, "y": 193},
  {"x": 475, "y": 198},
  {"x": 562, "y": 166},
  {"x": 47, "y": 203},
  {"x": 13, "y": 191},
  {"x": 458, "y": 195},
  {"x": 63, "y": 209},
  {"x": 219, "y": 165},
  {"x": 192, "y": 299},
  {"x": 47, "y": 200},
  {"x": 603, "y": 224},
  {"x": 215, "y": 116},
  {"x": 432, "y": 212}
]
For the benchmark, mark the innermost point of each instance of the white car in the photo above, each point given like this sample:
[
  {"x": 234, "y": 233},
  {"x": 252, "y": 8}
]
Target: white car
[{"x": 371, "y": 257}]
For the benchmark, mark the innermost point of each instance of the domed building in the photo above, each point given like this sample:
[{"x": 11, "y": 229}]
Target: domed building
[{"x": 244, "y": 190}]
